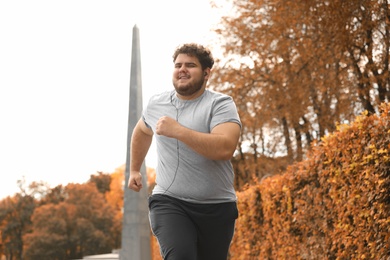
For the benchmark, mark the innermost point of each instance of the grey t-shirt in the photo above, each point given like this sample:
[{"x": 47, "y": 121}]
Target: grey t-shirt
[{"x": 181, "y": 172}]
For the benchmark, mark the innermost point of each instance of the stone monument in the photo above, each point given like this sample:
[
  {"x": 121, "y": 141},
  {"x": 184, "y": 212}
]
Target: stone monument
[{"x": 136, "y": 228}]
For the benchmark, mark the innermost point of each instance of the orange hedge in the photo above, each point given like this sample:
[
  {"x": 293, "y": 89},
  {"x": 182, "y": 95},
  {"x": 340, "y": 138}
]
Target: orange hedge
[{"x": 334, "y": 205}]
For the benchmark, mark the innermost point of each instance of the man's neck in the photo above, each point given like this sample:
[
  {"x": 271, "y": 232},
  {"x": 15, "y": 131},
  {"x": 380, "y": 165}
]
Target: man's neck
[{"x": 193, "y": 96}]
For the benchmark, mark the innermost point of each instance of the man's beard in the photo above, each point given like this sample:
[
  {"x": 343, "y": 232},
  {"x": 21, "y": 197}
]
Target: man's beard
[{"x": 190, "y": 88}]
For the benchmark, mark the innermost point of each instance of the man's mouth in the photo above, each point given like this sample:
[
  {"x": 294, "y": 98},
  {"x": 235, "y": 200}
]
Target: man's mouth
[{"x": 184, "y": 77}]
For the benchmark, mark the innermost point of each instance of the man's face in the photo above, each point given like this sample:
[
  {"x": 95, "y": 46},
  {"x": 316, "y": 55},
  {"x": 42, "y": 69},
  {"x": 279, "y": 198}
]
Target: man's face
[{"x": 188, "y": 77}]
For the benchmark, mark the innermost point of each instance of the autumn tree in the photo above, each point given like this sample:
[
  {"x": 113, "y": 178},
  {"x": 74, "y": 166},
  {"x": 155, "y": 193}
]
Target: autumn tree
[
  {"x": 102, "y": 181},
  {"x": 114, "y": 197},
  {"x": 296, "y": 68},
  {"x": 55, "y": 195},
  {"x": 77, "y": 226},
  {"x": 15, "y": 217},
  {"x": 15, "y": 213},
  {"x": 64, "y": 222}
]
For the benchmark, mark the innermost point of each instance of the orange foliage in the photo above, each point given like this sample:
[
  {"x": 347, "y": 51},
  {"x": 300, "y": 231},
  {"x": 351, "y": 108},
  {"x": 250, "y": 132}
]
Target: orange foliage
[
  {"x": 115, "y": 198},
  {"x": 115, "y": 195},
  {"x": 155, "y": 249},
  {"x": 80, "y": 225},
  {"x": 294, "y": 68},
  {"x": 334, "y": 205}
]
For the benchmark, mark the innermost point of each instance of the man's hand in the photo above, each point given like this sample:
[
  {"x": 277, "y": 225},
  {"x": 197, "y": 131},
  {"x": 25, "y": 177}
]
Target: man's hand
[
  {"x": 167, "y": 126},
  {"x": 135, "y": 181}
]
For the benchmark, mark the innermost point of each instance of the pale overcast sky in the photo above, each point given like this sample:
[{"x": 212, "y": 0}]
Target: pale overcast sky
[{"x": 64, "y": 80}]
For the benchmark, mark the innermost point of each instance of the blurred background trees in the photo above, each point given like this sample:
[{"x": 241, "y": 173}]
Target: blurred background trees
[
  {"x": 297, "y": 68},
  {"x": 15, "y": 221},
  {"x": 65, "y": 222}
]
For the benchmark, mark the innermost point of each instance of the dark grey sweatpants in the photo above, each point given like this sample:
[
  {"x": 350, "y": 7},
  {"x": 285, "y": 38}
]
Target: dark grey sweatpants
[{"x": 189, "y": 231}]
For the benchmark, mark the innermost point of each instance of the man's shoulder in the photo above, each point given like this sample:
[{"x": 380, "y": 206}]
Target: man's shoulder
[
  {"x": 218, "y": 96},
  {"x": 162, "y": 96}
]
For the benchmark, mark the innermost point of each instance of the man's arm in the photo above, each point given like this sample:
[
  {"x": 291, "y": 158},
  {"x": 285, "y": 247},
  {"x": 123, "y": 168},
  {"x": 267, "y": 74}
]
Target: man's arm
[
  {"x": 220, "y": 144},
  {"x": 140, "y": 143}
]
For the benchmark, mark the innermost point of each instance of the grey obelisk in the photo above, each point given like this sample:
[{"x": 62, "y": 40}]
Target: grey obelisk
[{"x": 136, "y": 229}]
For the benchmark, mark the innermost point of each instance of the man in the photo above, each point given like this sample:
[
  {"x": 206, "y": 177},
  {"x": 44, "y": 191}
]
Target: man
[{"x": 192, "y": 209}]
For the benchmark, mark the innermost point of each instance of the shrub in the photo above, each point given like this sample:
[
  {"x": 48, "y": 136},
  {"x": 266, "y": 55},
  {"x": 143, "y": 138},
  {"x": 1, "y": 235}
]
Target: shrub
[{"x": 334, "y": 205}]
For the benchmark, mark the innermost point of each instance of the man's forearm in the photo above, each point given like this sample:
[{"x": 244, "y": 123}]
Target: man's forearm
[
  {"x": 220, "y": 144},
  {"x": 215, "y": 145},
  {"x": 208, "y": 145},
  {"x": 140, "y": 143}
]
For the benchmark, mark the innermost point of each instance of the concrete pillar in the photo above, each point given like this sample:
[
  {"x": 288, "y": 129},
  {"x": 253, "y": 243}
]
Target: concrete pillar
[{"x": 136, "y": 228}]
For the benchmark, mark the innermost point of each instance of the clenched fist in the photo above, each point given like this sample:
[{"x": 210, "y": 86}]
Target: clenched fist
[
  {"x": 135, "y": 181},
  {"x": 167, "y": 126}
]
